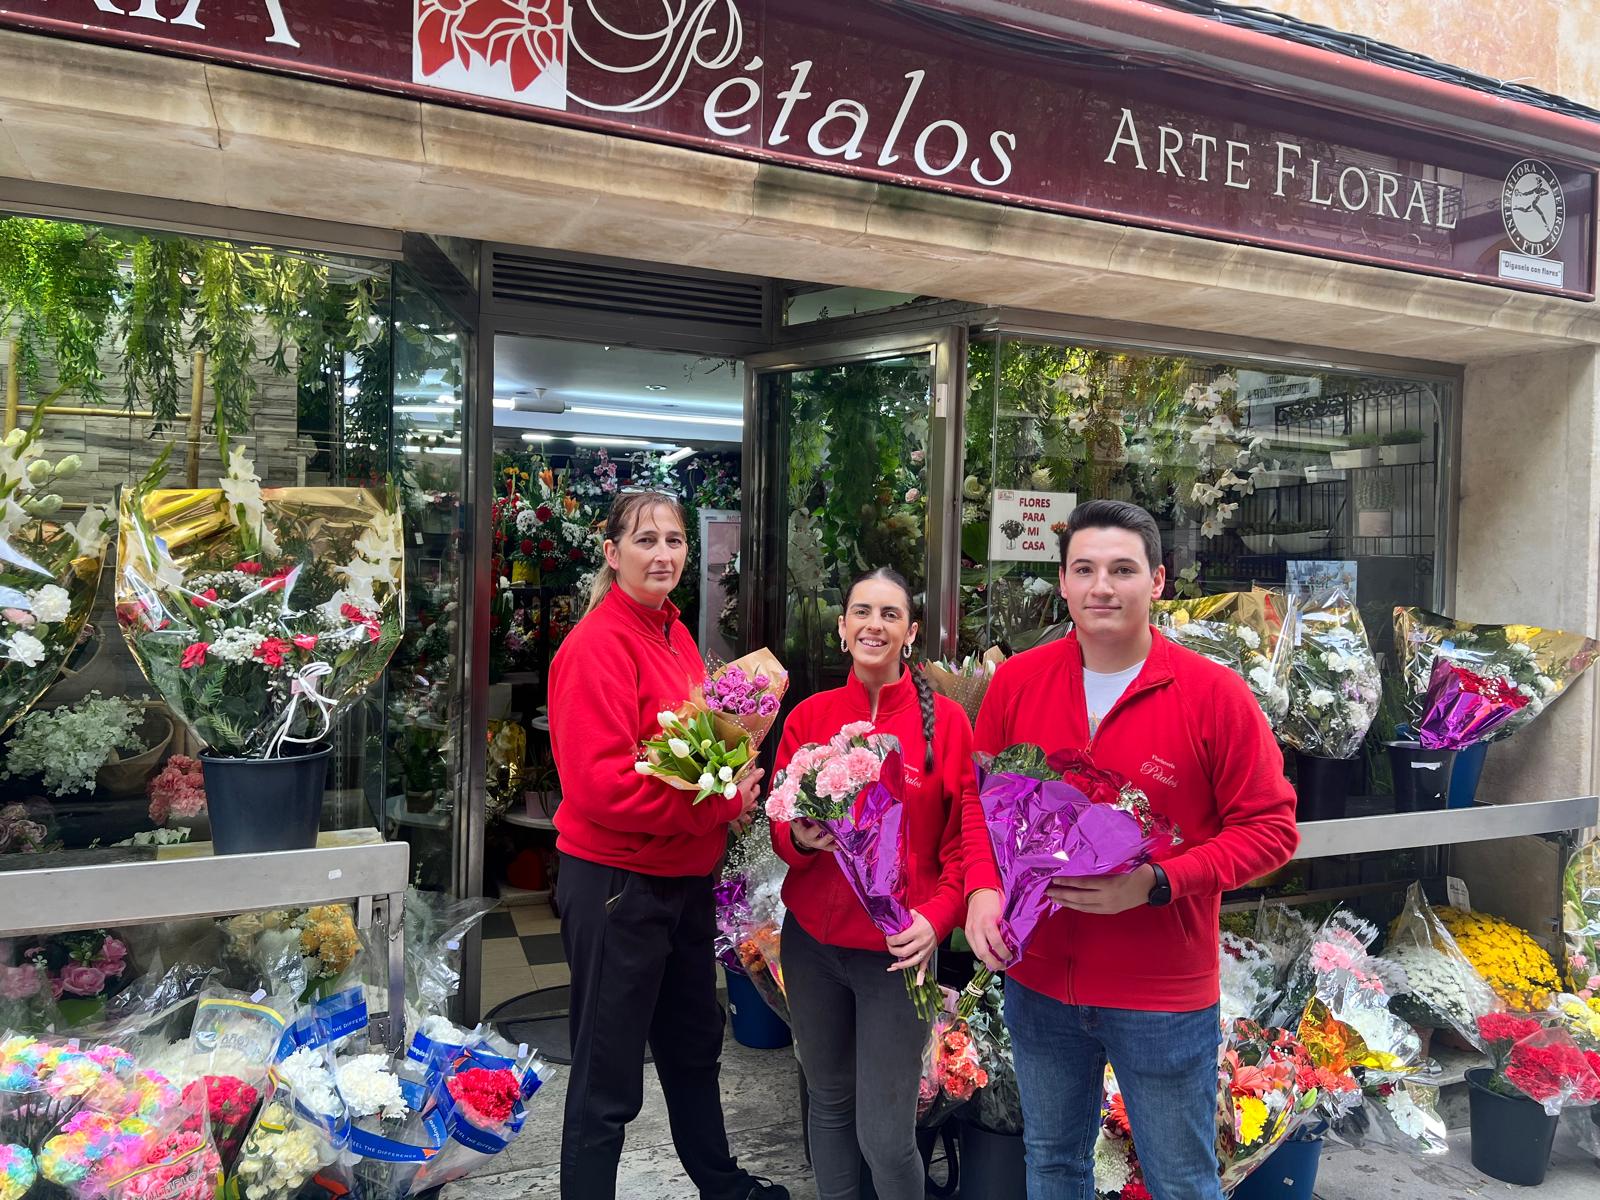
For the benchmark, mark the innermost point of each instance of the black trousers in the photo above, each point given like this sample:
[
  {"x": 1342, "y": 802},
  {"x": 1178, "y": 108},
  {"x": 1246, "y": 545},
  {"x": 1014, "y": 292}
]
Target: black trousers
[{"x": 643, "y": 970}]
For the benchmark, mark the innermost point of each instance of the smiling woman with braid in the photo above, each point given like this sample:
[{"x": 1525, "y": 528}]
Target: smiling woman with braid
[{"x": 856, "y": 1031}]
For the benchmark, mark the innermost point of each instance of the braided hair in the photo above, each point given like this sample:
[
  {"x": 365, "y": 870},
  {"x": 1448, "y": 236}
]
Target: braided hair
[{"x": 919, "y": 678}]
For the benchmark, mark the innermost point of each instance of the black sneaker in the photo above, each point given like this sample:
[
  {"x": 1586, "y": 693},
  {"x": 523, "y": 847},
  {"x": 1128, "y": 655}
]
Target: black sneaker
[{"x": 763, "y": 1189}]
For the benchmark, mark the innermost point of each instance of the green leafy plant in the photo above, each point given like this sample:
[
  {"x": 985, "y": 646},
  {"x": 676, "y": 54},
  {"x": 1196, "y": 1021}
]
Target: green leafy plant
[
  {"x": 1402, "y": 437},
  {"x": 67, "y": 745}
]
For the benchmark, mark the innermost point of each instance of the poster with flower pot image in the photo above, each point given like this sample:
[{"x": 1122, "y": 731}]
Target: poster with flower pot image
[{"x": 260, "y": 615}]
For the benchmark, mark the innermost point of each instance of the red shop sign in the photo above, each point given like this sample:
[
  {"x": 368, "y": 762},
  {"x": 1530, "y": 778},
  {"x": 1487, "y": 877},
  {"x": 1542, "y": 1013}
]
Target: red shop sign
[{"x": 854, "y": 87}]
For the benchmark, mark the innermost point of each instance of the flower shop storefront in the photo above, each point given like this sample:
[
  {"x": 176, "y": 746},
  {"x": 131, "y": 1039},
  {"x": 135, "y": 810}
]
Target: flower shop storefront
[{"x": 853, "y": 318}]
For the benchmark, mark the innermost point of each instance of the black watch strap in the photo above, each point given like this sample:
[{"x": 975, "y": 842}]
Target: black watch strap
[{"x": 1160, "y": 890}]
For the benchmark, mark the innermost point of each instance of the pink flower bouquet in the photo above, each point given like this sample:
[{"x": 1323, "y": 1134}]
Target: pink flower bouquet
[
  {"x": 744, "y": 697},
  {"x": 178, "y": 793}
]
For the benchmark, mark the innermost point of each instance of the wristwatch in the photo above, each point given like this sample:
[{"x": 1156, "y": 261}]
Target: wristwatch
[{"x": 1160, "y": 890}]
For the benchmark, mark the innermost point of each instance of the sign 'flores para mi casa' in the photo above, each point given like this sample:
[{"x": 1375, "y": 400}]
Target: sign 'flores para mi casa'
[{"x": 858, "y": 87}]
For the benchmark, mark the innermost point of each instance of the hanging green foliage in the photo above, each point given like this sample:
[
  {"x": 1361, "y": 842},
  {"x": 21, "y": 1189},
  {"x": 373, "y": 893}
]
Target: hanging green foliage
[
  {"x": 58, "y": 287},
  {"x": 151, "y": 326}
]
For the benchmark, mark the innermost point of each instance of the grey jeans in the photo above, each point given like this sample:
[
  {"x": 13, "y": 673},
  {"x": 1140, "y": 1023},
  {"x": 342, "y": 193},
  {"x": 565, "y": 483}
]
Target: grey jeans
[{"x": 860, "y": 1043}]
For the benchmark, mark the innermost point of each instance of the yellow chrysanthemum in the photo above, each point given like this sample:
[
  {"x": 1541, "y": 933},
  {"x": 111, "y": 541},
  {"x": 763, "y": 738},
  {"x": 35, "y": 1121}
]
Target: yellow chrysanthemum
[
  {"x": 1520, "y": 971},
  {"x": 1252, "y": 1119}
]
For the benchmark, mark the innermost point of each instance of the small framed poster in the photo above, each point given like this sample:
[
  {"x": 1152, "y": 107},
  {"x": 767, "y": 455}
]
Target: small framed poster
[{"x": 1026, "y": 526}]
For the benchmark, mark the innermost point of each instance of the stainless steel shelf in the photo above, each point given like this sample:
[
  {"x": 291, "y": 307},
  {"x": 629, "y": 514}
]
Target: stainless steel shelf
[
  {"x": 65, "y": 892},
  {"x": 1481, "y": 823}
]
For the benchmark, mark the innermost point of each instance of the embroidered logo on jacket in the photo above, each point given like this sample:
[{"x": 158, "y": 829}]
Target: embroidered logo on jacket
[{"x": 1159, "y": 769}]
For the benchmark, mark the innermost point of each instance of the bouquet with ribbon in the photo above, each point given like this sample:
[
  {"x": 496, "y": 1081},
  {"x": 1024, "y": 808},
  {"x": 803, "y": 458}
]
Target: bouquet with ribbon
[
  {"x": 966, "y": 682},
  {"x": 1242, "y": 631},
  {"x": 851, "y": 786},
  {"x": 259, "y": 614},
  {"x": 1334, "y": 688},
  {"x": 1055, "y": 818},
  {"x": 1495, "y": 678},
  {"x": 49, "y": 571}
]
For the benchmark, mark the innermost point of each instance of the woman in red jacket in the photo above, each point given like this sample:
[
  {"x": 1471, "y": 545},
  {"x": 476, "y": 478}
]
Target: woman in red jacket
[
  {"x": 637, "y": 869},
  {"x": 856, "y": 1032}
]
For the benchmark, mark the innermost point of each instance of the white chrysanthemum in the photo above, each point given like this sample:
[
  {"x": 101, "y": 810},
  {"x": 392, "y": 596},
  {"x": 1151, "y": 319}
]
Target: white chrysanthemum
[
  {"x": 1547, "y": 685},
  {"x": 24, "y": 648},
  {"x": 1249, "y": 637},
  {"x": 1261, "y": 678},
  {"x": 370, "y": 1089},
  {"x": 1112, "y": 1172},
  {"x": 310, "y": 1080},
  {"x": 50, "y": 603},
  {"x": 1408, "y": 1118},
  {"x": 1319, "y": 698}
]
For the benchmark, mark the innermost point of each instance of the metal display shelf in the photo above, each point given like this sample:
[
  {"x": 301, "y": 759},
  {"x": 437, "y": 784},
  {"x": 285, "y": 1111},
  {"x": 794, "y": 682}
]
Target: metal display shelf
[
  {"x": 92, "y": 889},
  {"x": 1447, "y": 827}
]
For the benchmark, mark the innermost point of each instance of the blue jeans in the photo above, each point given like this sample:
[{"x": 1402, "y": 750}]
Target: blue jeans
[{"x": 1166, "y": 1065}]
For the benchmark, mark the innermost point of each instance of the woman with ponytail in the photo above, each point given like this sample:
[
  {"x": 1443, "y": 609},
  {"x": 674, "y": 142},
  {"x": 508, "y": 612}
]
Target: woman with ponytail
[
  {"x": 638, "y": 862},
  {"x": 856, "y": 1031}
]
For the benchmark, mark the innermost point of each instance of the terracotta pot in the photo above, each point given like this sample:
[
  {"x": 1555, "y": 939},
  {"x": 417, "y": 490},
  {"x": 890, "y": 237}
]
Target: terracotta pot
[{"x": 122, "y": 777}]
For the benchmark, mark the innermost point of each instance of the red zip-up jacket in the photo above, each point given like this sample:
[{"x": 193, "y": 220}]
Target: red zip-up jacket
[
  {"x": 1190, "y": 734},
  {"x": 815, "y": 890},
  {"x": 620, "y": 666}
]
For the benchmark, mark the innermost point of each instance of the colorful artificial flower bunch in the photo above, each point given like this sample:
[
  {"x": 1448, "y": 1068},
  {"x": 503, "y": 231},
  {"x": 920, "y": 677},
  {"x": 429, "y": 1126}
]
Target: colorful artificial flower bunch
[
  {"x": 180, "y": 1166},
  {"x": 1540, "y": 1062},
  {"x": 259, "y": 615},
  {"x": 1520, "y": 970},
  {"x": 18, "y": 1171}
]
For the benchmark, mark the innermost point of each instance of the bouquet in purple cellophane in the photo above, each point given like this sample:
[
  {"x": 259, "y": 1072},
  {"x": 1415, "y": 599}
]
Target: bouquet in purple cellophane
[
  {"x": 851, "y": 785},
  {"x": 1057, "y": 817}
]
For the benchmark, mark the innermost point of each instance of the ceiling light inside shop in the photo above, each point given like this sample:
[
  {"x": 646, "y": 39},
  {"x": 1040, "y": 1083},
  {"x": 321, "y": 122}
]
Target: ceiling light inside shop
[
  {"x": 504, "y": 402},
  {"x": 632, "y": 414},
  {"x": 432, "y": 449},
  {"x": 536, "y": 437},
  {"x": 655, "y": 387},
  {"x": 677, "y": 456},
  {"x": 448, "y": 398},
  {"x": 611, "y": 441},
  {"x": 423, "y": 410}
]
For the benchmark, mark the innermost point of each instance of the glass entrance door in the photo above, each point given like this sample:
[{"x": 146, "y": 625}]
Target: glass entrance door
[{"x": 850, "y": 452}]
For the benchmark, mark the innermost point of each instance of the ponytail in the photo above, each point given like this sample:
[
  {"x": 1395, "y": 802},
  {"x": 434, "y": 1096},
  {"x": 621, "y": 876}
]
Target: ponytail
[
  {"x": 624, "y": 515},
  {"x": 919, "y": 678}
]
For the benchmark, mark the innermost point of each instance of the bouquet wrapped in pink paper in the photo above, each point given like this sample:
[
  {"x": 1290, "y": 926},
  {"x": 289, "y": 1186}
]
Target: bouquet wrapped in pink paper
[
  {"x": 1057, "y": 817},
  {"x": 851, "y": 786}
]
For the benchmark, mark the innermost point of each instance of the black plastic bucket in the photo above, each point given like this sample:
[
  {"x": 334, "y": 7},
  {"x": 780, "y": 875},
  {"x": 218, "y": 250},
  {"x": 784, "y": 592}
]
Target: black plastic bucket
[
  {"x": 1511, "y": 1136},
  {"x": 991, "y": 1164},
  {"x": 1322, "y": 786},
  {"x": 1421, "y": 776},
  {"x": 257, "y": 805}
]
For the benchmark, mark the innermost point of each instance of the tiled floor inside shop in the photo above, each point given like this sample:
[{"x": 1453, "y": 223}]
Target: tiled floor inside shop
[{"x": 522, "y": 952}]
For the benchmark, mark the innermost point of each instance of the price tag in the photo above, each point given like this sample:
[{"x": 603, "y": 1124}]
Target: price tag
[{"x": 1456, "y": 890}]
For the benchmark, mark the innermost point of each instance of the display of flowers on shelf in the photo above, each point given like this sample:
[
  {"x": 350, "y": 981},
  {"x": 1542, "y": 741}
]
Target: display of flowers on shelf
[
  {"x": 83, "y": 965},
  {"x": 259, "y": 614},
  {"x": 543, "y": 531},
  {"x": 49, "y": 570},
  {"x": 178, "y": 791}
]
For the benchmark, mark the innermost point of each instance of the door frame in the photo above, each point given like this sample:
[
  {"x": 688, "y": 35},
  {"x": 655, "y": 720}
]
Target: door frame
[{"x": 766, "y": 449}]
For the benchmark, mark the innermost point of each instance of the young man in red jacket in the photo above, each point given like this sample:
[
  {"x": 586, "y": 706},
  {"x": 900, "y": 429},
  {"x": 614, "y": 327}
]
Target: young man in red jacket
[{"x": 1126, "y": 969}]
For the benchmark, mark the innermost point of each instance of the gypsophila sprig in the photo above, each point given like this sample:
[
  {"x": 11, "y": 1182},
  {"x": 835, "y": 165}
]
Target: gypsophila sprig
[{"x": 67, "y": 745}]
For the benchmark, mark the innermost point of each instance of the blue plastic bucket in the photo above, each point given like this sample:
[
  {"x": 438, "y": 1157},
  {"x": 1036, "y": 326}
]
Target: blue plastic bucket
[
  {"x": 1464, "y": 777},
  {"x": 754, "y": 1023},
  {"x": 1290, "y": 1173}
]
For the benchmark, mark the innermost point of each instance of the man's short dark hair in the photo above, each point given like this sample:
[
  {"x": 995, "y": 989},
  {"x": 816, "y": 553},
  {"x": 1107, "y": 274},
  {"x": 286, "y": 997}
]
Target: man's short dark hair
[{"x": 1114, "y": 514}]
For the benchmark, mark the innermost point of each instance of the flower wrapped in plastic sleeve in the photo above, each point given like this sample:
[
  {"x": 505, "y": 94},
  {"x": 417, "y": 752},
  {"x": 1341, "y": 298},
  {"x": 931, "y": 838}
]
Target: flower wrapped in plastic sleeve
[
  {"x": 1540, "y": 1062},
  {"x": 1056, "y": 818},
  {"x": 1334, "y": 687},
  {"x": 1581, "y": 921},
  {"x": 259, "y": 614},
  {"x": 1538, "y": 664},
  {"x": 1242, "y": 631},
  {"x": 1261, "y": 1097},
  {"x": 952, "y": 1072},
  {"x": 1442, "y": 989},
  {"x": 49, "y": 571}
]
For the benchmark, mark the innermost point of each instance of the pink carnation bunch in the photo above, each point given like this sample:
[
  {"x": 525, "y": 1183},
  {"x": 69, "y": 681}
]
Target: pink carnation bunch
[
  {"x": 179, "y": 791},
  {"x": 820, "y": 781}
]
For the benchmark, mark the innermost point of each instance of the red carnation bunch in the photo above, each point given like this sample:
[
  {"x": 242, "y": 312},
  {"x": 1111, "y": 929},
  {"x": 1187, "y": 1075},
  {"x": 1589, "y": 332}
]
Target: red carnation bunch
[
  {"x": 229, "y": 1104},
  {"x": 487, "y": 1096}
]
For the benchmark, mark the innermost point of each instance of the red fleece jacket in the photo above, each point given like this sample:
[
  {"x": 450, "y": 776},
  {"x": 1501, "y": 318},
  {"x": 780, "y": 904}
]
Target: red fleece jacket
[
  {"x": 1191, "y": 735},
  {"x": 621, "y": 666},
  {"x": 815, "y": 890}
]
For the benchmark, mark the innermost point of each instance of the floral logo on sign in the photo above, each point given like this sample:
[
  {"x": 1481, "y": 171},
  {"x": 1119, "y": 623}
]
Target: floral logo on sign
[{"x": 510, "y": 49}]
